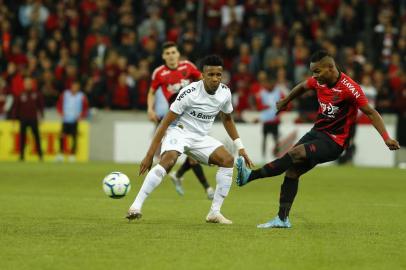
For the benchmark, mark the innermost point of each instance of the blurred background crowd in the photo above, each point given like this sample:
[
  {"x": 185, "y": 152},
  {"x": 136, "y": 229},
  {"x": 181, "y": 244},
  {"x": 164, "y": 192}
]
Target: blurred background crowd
[{"x": 112, "y": 47}]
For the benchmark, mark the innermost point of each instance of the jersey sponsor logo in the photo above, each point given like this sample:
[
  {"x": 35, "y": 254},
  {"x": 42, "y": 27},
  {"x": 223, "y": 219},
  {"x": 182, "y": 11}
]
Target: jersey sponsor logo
[
  {"x": 329, "y": 109},
  {"x": 187, "y": 91},
  {"x": 174, "y": 88},
  {"x": 165, "y": 72},
  {"x": 351, "y": 88},
  {"x": 202, "y": 115}
]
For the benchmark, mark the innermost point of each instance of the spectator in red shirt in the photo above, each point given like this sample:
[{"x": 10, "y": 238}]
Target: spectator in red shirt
[
  {"x": 28, "y": 109},
  {"x": 121, "y": 94}
]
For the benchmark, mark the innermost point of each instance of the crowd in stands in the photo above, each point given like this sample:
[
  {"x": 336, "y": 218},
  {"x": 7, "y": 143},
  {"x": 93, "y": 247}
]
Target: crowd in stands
[{"x": 112, "y": 47}]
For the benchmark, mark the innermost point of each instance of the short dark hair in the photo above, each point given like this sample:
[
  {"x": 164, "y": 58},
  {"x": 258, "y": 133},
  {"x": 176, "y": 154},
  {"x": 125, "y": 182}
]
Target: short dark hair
[
  {"x": 212, "y": 60},
  {"x": 317, "y": 56},
  {"x": 169, "y": 44},
  {"x": 77, "y": 81}
]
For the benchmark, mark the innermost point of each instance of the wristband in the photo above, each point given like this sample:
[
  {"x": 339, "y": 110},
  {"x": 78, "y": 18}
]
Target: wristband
[
  {"x": 238, "y": 144},
  {"x": 385, "y": 135}
]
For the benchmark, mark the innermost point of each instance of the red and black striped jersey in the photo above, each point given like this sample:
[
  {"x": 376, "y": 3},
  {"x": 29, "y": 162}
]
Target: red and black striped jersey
[
  {"x": 172, "y": 80},
  {"x": 338, "y": 107}
]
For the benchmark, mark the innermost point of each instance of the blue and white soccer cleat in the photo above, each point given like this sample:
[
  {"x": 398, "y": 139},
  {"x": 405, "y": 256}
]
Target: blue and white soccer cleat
[
  {"x": 243, "y": 172},
  {"x": 177, "y": 181},
  {"x": 275, "y": 223}
]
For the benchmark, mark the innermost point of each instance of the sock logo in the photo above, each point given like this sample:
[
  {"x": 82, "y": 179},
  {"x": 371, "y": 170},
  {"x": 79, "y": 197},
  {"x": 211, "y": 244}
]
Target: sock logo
[{"x": 159, "y": 173}]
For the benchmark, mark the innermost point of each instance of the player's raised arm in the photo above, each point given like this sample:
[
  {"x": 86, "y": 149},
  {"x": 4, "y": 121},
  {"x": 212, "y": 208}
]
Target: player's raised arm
[
  {"x": 159, "y": 134},
  {"x": 231, "y": 129},
  {"x": 297, "y": 91},
  {"x": 151, "y": 102},
  {"x": 379, "y": 125}
]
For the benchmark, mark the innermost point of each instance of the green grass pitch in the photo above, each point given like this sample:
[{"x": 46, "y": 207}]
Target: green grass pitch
[{"x": 56, "y": 216}]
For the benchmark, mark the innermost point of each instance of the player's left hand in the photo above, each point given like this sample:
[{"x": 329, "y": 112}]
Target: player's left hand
[
  {"x": 244, "y": 154},
  {"x": 392, "y": 144},
  {"x": 146, "y": 164}
]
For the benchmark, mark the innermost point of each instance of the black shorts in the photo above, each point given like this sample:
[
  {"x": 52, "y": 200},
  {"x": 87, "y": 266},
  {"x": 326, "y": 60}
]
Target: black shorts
[
  {"x": 70, "y": 128},
  {"x": 270, "y": 128},
  {"x": 320, "y": 148}
]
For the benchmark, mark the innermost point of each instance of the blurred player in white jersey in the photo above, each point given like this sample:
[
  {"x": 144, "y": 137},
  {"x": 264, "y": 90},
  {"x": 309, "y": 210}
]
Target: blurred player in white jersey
[
  {"x": 167, "y": 80},
  {"x": 184, "y": 130}
]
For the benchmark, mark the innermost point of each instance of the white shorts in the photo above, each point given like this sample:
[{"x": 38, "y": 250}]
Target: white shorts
[{"x": 193, "y": 145}]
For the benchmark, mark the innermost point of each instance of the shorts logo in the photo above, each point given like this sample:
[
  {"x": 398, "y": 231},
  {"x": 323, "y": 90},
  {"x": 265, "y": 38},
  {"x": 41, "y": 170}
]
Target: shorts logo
[
  {"x": 173, "y": 141},
  {"x": 312, "y": 148}
]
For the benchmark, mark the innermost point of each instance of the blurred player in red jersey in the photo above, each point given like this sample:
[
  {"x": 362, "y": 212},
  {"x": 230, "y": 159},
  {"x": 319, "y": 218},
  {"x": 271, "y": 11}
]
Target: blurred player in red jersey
[
  {"x": 170, "y": 78},
  {"x": 339, "y": 100},
  {"x": 29, "y": 110}
]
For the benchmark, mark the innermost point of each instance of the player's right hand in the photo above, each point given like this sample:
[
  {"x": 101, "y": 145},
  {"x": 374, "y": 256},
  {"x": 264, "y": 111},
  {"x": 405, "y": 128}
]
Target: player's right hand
[
  {"x": 244, "y": 154},
  {"x": 146, "y": 164},
  {"x": 152, "y": 116},
  {"x": 392, "y": 144}
]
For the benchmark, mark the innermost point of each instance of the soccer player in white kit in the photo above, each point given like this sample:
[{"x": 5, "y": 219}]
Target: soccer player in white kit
[{"x": 184, "y": 130}]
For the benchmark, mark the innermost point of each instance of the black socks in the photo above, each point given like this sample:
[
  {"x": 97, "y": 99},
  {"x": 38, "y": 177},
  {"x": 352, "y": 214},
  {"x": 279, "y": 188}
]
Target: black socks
[
  {"x": 276, "y": 167},
  {"x": 287, "y": 196},
  {"x": 197, "y": 169},
  {"x": 185, "y": 166}
]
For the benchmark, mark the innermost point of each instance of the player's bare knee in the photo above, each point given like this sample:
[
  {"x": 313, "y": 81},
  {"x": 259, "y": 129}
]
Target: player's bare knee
[
  {"x": 168, "y": 160},
  {"x": 297, "y": 153},
  {"x": 228, "y": 161}
]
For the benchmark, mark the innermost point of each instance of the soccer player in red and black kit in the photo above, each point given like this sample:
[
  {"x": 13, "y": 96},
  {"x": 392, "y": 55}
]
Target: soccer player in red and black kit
[
  {"x": 170, "y": 78},
  {"x": 339, "y": 98}
]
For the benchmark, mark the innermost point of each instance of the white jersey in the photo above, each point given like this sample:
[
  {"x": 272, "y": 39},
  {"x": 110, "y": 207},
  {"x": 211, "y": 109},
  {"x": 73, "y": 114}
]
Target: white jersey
[{"x": 198, "y": 109}]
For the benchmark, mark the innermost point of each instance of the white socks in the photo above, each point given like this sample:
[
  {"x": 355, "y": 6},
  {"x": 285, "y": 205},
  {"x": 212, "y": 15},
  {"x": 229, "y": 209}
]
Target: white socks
[
  {"x": 152, "y": 180},
  {"x": 224, "y": 178}
]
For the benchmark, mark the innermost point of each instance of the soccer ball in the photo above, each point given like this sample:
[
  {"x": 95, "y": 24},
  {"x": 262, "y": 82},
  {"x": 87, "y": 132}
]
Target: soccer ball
[{"x": 116, "y": 185}]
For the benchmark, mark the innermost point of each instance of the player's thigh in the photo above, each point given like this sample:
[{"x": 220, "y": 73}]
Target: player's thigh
[
  {"x": 308, "y": 137},
  {"x": 202, "y": 148},
  {"x": 168, "y": 159},
  {"x": 322, "y": 150},
  {"x": 222, "y": 158},
  {"x": 175, "y": 140},
  {"x": 319, "y": 148}
]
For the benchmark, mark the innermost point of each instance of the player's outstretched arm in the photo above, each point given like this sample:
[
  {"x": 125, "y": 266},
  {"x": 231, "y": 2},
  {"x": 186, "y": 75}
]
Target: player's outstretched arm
[
  {"x": 231, "y": 129},
  {"x": 297, "y": 91},
  {"x": 379, "y": 125},
  {"x": 146, "y": 163},
  {"x": 151, "y": 102}
]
